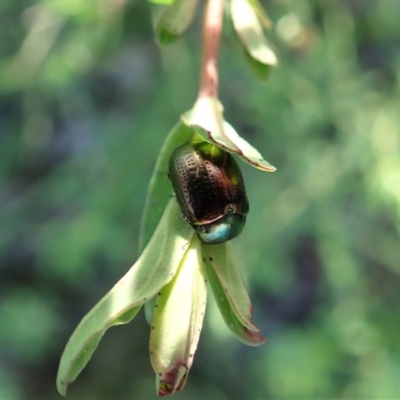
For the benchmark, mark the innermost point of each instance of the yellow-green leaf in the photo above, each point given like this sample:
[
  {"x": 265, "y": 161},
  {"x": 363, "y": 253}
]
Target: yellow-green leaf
[
  {"x": 220, "y": 259},
  {"x": 261, "y": 14},
  {"x": 249, "y": 154},
  {"x": 165, "y": 2},
  {"x": 177, "y": 322},
  {"x": 160, "y": 189},
  {"x": 233, "y": 323},
  {"x": 206, "y": 118},
  {"x": 156, "y": 267},
  {"x": 248, "y": 27},
  {"x": 260, "y": 70},
  {"x": 175, "y": 21}
]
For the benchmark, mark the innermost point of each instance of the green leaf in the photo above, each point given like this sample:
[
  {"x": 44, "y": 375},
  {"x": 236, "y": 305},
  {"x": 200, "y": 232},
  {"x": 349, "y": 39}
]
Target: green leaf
[
  {"x": 156, "y": 267},
  {"x": 166, "y": 2},
  {"x": 149, "y": 310},
  {"x": 249, "y": 154},
  {"x": 177, "y": 322},
  {"x": 164, "y": 36},
  {"x": 207, "y": 114},
  {"x": 250, "y": 32},
  {"x": 245, "y": 335},
  {"x": 206, "y": 118},
  {"x": 261, "y": 14},
  {"x": 175, "y": 21},
  {"x": 159, "y": 192},
  {"x": 219, "y": 257},
  {"x": 260, "y": 70},
  {"x": 160, "y": 188}
]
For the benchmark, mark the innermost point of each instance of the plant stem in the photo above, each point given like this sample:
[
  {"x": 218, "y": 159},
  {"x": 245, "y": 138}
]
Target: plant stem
[{"x": 213, "y": 17}]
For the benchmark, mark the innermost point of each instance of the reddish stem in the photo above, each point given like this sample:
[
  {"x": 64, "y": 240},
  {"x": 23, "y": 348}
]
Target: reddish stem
[{"x": 213, "y": 17}]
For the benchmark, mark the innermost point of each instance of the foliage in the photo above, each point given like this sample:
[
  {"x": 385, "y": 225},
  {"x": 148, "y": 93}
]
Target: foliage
[{"x": 86, "y": 101}]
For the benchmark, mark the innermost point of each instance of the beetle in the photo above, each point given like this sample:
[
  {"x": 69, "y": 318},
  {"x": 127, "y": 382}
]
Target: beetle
[{"x": 210, "y": 190}]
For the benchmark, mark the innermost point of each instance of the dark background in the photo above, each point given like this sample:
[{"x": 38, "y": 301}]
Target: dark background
[{"x": 86, "y": 100}]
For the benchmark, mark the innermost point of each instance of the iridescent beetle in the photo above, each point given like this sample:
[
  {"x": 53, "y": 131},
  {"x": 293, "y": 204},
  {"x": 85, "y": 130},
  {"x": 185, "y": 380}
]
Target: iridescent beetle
[{"x": 210, "y": 190}]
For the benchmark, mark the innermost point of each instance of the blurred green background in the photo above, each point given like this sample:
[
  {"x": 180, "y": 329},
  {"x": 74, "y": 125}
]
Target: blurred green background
[{"x": 86, "y": 100}]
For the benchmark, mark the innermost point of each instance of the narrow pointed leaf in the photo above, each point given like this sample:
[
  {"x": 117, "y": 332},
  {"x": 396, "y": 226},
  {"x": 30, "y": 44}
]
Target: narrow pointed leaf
[
  {"x": 237, "y": 328},
  {"x": 159, "y": 192},
  {"x": 177, "y": 375},
  {"x": 206, "y": 118},
  {"x": 207, "y": 115},
  {"x": 156, "y": 267},
  {"x": 160, "y": 189},
  {"x": 177, "y": 322},
  {"x": 260, "y": 70},
  {"x": 175, "y": 21},
  {"x": 161, "y": 1},
  {"x": 261, "y": 14},
  {"x": 249, "y": 30},
  {"x": 149, "y": 310},
  {"x": 221, "y": 261},
  {"x": 249, "y": 154}
]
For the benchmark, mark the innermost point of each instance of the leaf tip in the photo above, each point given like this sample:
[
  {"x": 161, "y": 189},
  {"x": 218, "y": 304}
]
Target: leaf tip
[
  {"x": 62, "y": 387},
  {"x": 253, "y": 338},
  {"x": 164, "y": 37},
  {"x": 172, "y": 380}
]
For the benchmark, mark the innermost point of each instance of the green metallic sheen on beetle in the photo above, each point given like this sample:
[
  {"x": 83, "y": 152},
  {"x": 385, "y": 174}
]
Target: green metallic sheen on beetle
[{"x": 210, "y": 190}]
